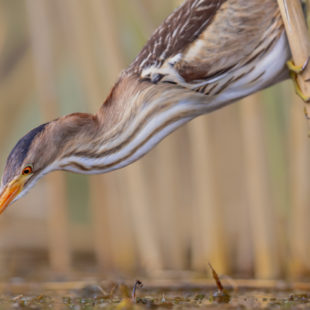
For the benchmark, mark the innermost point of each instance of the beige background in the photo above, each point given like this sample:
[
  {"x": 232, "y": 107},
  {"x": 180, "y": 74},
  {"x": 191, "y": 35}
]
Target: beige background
[{"x": 230, "y": 188}]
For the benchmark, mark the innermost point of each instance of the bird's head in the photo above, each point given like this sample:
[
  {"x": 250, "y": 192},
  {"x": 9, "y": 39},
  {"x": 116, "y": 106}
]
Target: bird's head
[
  {"x": 26, "y": 163},
  {"x": 40, "y": 151}
]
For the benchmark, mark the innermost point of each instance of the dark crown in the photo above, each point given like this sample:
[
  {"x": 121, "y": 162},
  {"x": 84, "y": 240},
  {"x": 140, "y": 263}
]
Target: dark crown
[{"x": 19, "y": 153}]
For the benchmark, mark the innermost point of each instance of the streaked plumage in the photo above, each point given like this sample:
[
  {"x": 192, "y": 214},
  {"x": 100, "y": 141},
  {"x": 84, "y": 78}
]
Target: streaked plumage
[{"x": 206, "y": 54}]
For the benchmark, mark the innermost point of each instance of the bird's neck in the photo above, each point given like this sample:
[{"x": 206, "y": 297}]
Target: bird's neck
[{"x": 133, "y": 119}]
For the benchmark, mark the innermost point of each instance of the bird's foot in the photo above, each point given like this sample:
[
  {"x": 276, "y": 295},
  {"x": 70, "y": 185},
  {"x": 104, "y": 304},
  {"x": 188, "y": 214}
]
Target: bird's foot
[
  {"x": 297, "y": 69},
  {"x": 307, "y": 116},
  {"x": 298, "y": 91},
  {"x": 294, "y": 71}
]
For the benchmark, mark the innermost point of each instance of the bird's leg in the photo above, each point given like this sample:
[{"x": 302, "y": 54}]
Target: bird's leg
[{"x": 294, "y": 71}]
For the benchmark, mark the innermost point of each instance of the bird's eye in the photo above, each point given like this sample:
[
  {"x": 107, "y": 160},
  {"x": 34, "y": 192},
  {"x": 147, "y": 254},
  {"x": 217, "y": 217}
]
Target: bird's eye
[{"x": 27, "y": 170}]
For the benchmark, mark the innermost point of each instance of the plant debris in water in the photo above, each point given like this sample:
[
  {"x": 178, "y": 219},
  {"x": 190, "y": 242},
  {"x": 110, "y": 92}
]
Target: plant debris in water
[
  {"x": 137, "y": 285},
  {"x": 117, "y": 296},
  {"x": 221, "y": 295}
]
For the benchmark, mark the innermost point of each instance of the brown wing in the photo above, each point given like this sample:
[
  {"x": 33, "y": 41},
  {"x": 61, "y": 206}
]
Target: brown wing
[
  {"x": 204, "y": 40},
  {"x": 180, "y": 29},
  {"x": 240, "y": 31}
]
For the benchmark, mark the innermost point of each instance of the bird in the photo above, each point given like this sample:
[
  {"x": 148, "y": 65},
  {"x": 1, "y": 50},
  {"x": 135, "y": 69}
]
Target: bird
[{"x": 205, "y": 55}]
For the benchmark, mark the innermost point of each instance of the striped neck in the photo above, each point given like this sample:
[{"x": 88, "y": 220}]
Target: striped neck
[{"x": 131, "y": 126}]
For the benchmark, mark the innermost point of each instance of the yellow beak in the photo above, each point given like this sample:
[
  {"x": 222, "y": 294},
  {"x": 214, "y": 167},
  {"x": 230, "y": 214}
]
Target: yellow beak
[{"x": 11, "y": 191}]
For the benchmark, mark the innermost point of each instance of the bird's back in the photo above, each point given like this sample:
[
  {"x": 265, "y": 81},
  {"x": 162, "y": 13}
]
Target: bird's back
[{"x": 209, "y": 45}]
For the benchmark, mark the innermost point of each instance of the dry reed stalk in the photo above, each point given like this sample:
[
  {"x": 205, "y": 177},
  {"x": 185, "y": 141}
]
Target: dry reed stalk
[
  {"x": 74, "y": 22},
  {"x": 297, "y": 33},
  {"x": 76, "y": 31},
  {"x": 184, "y": 193},
  {"x": 3, "y": 29},
  {"x": 40, "y": 26},
  {"x": 107, "y": 29},
  {"x": 298, "y": 236},
  {"x": 262, "y": 217},
  {"x": 106, "y": 211},
  {"x": 164, "y": 184},
  {"x": 298, "y": 37},
  {"x": 134, "y": 180},
  {"x": 207, "y": 231},
  {"x": 12, "y": 100},
  {"x": 101, "y": 225},
  {"x": 124, "y": 250},
  {"x": 168, "y": 204},
  {"x": 143, "y": 222},
  {"x": 225, "y": 132}
]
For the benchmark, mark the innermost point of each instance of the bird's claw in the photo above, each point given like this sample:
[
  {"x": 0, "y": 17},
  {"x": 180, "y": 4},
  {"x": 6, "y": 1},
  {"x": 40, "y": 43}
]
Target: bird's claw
[
  {"x": 294, "y": 71},
  {"x": 298, "y": 90},
  {"x": 297, "y": 69},
  {"x": 306, "y": 114}
]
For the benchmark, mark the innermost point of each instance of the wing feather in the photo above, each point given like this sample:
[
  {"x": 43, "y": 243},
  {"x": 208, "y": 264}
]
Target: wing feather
[
  {"x": 210, "y": 41},
  {"x": 233, "y": 39},
  {"x": 179, "y": 30}
]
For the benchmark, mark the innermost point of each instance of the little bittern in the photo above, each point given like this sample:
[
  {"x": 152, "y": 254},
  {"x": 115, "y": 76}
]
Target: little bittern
[{"x": 205, "y": 55}]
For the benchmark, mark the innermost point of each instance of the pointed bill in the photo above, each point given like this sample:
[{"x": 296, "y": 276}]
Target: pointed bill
[{"x": 10, "y": 191}]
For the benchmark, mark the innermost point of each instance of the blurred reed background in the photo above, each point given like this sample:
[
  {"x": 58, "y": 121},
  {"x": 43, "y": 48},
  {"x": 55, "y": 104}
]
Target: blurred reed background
[{"x": 230, "y": 188}]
